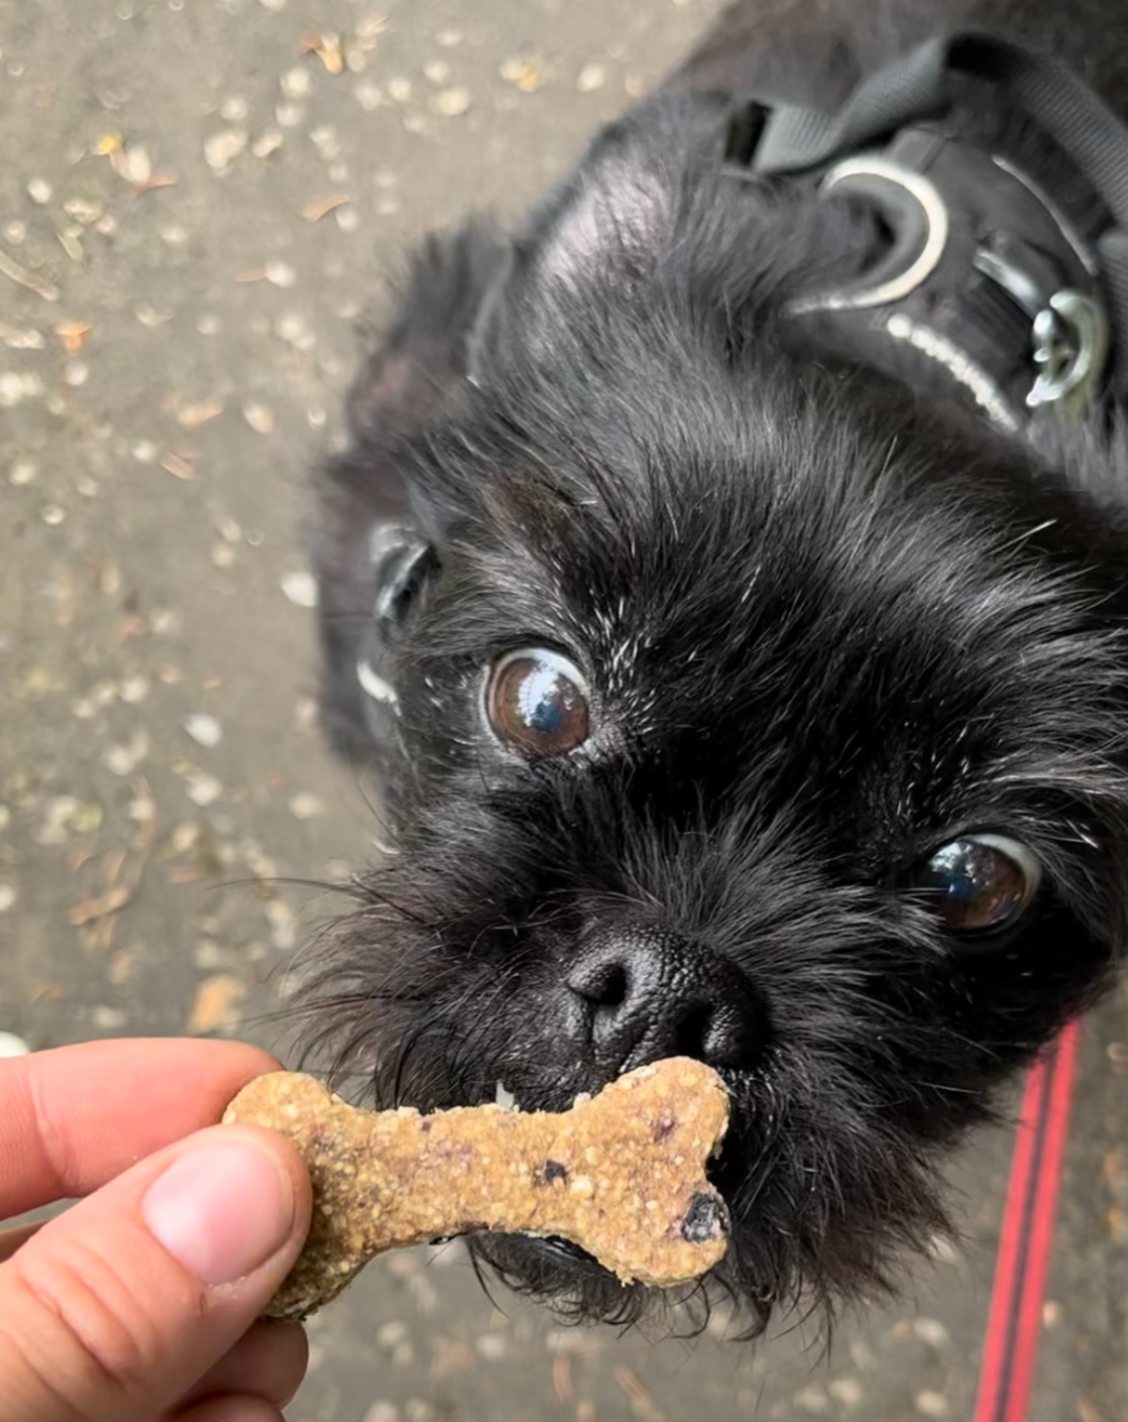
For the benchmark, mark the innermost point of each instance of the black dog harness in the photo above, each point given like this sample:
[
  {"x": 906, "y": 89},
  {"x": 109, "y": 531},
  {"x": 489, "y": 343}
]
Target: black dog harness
[{"x": 989, "y": 288}]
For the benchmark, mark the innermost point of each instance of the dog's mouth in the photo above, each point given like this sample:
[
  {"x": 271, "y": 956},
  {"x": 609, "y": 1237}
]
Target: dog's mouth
[
  {"x": 563, "y": 1251},
  {"x": 546, "y": 1266}
]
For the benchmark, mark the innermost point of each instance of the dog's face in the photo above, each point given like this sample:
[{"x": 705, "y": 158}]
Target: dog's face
[{"x": 741, "y": 718}]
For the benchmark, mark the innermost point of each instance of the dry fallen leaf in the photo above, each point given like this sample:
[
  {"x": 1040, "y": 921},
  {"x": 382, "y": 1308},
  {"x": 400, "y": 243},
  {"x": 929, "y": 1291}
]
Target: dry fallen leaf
[
  {"x": 73, "y": 335},
  {"x": 315, "y": 211},
  {"x": 173, "y": 464},
  {"x": 562, "y": 1378},
  {"x": 369, "y": 30},
  {"x": 328, "y": 50},
  {"x": 642, "y": 1401},
  {"x": 191, "y": 417},
  {"x": 89, "y": 910},
  {"x": 18, "y": 338},
  {"x": 158, "y": 180},
  {"x": 524, "y": 74},
  {"x": 14, "y": 272},
  {"x": 217, "y": 1002}
]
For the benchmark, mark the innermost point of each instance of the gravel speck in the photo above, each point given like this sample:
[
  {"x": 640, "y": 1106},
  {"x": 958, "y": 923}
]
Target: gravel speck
[
  {"x": 932, "y": 1332},
  {"x": 204, "y": 729},
  {"x": 39, "y": 190},
  {"x": 7, "y": 899},
  {"x": 16, "y": 386},
  {"x": 134, "y": 165},
  {"x": 391, "y": 1335},
  {"x": 259, "y": 417},
  {"x": 300, "y": 588},
  {"x": 848, "y": 1391},
  {"x": 203, "y": 789},
  {"x": 107, "y": 1019},
  {"x": 306, "y": 807},
  {"x": 591, "y": 77},
  {"x": 270, "y": 142},
  {"x": 451, "y": 103},
  {"x": 222, "y": 148},
  {"x": 280, "y": 274},
  {"x": 12, "y": 1046},
  {"x": 382, "y": 1412},
  {"x": 296, "y": 83},
  {"x": 124, "y": 759},
  {"x": 134, "y": 690}
]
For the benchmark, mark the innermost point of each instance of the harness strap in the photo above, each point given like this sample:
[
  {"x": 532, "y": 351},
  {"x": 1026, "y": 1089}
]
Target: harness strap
[{"x": 796, "y": 139}]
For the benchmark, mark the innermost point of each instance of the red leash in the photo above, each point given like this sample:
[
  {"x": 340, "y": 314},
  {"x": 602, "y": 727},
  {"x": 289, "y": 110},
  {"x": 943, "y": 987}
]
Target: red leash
[{"x": 1013, "y": 1326}]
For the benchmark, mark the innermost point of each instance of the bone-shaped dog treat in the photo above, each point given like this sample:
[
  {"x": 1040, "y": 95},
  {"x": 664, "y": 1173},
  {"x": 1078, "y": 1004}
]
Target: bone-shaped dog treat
[{"x": 621, "y": 1174}]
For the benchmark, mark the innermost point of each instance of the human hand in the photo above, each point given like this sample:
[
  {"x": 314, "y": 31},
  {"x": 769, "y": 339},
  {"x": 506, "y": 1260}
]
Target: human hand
[{"x": 141, "y": 1301}]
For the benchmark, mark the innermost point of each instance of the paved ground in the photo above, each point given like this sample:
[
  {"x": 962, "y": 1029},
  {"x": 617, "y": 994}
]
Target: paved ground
[{"x": 194, "y": 207}]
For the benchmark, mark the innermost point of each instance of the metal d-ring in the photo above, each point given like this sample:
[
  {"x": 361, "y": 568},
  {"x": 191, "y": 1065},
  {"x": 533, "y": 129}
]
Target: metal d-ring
[
  {"x": 915, "y": 214},
  {"x": 1071, "y": 341}
]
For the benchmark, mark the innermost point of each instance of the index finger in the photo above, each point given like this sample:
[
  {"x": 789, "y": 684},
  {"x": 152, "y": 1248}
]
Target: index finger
[{"x": 75, "y": 1117}]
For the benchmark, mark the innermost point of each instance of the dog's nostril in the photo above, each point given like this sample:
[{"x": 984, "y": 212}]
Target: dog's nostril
[
  {"x": 693, "y": 1031},
  {"x": 613, "y": 992},
  {"x": 606, "y": 985}
]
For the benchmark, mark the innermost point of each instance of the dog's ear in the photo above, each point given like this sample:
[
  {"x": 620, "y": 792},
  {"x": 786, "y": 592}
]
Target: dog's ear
[
  {"x": 604, "y": 230},
  {"x": 608, "y": 222},
  {"x": 417, "y": 361}
]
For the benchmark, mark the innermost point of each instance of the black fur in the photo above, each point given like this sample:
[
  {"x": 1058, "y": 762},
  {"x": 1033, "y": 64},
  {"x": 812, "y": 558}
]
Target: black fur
[{"x": 826, "y": 631}]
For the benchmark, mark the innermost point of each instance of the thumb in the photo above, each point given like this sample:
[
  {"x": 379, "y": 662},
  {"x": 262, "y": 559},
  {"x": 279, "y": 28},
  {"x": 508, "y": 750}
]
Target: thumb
[{"x": 115, "y": 1309}]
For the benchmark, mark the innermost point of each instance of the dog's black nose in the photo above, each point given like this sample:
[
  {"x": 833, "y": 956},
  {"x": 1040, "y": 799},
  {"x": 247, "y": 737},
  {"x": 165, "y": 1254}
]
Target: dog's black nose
[{"x": 646, "y": 995}]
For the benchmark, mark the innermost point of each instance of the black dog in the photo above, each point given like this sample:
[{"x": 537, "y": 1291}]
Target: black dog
[{"x": 728, "y": 578}]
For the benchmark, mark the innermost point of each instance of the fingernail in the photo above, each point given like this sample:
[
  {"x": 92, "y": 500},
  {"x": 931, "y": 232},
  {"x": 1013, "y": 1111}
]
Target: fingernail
[{"x": 222, "y": 1210}]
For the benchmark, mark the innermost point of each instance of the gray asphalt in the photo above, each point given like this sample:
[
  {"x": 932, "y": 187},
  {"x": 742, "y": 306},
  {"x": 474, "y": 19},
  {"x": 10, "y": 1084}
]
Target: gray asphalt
[{"x": 195, "y": 206}]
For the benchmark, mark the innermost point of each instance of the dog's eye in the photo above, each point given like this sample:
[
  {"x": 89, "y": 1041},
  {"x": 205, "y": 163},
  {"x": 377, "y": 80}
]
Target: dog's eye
[
  {"x": 536, "y": 702},
  {"x": 980, "y": 884}
]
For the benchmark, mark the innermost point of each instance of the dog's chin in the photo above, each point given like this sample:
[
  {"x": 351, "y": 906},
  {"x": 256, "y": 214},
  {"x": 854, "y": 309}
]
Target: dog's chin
[{"x": 564, "y": 1277}]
